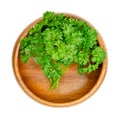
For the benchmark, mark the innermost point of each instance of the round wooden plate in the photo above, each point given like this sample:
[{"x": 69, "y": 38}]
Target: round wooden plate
[{"x": 72, "y": 88}]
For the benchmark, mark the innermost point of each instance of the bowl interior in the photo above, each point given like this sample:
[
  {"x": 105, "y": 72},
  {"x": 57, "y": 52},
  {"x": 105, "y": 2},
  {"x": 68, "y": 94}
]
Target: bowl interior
[{"x": 72, "y": 88}]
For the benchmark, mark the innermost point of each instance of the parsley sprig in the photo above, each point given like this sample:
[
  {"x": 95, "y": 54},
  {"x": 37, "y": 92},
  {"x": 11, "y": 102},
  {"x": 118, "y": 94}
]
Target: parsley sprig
[{"x": 58, "y": 41}]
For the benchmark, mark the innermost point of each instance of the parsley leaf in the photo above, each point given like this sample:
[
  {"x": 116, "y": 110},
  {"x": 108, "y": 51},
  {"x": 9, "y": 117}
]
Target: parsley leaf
[{"x": 58, "y": 41}]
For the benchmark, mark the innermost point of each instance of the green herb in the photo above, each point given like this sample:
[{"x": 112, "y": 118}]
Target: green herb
[{"x": 58, "y": 41}]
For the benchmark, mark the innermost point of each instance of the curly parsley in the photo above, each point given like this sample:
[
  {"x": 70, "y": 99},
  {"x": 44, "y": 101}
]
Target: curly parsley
[{"x": 58, "y": 41}]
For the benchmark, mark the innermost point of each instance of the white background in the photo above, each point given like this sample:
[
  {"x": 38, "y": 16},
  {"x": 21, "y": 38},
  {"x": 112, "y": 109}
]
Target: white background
[{"x": 15, "y": 15}]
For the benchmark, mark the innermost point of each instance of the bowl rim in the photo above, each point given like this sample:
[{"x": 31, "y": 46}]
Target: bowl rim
[{"x": 40, "y": 100}]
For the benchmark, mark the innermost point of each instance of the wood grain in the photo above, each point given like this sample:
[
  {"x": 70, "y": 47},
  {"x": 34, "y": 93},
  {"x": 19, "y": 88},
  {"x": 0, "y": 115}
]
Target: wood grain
[{"x": 72, "y": 88}]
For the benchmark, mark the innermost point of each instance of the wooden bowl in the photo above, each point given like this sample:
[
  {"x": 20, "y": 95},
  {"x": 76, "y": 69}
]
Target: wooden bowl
[{"x": 72, "y": 88}]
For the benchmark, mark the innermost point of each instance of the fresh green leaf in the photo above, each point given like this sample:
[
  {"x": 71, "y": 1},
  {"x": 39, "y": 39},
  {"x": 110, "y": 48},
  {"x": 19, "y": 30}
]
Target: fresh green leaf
[{"x": 58, "y": 41}]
